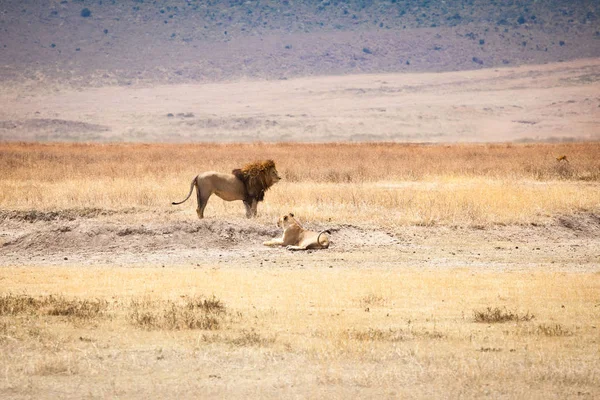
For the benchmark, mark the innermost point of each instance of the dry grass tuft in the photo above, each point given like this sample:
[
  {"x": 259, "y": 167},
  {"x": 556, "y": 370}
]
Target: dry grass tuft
[
  {"x": 553, "y": 330},
  {"x": 85, "y": 309},
  {"x": 383, "y": 335},
  {"x": 499, "y": 315},
  {"x": 372, "y": 300},
  {"x": 252, "y": 338},
  {"x": 193, "y": 313}
]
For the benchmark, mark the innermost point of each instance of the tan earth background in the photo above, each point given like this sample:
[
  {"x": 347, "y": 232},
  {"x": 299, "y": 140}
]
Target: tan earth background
[{"x": 425, "y": 135}]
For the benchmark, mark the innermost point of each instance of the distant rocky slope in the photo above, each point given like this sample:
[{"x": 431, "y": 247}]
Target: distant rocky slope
[{"x": 95, "y": 43}]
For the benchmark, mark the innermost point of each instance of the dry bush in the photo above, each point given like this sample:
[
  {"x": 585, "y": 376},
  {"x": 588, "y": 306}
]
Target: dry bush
[
  {"x": 499, "y": 315},
  {"x": 193, "y": 313}
]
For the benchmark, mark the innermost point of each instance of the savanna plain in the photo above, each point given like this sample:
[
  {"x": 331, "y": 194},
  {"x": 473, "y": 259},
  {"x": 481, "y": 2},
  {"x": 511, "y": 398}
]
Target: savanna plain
[{"x": 455, "y": 271}]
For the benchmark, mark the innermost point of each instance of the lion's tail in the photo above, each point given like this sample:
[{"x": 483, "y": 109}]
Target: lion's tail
[
  {"x": 194, "y": 181},
  {"x": 325, "y": 244}
]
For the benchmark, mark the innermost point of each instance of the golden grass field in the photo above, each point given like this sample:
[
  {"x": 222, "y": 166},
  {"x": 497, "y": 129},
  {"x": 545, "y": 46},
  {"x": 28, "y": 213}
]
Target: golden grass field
[
  {"x": 388, "y": 184},
  {"x": 485, "y": 293}
]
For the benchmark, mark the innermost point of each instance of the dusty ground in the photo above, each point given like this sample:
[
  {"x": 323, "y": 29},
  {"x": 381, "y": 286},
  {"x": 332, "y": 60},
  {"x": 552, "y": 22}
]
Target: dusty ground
[{"x": 570, "y": 243}]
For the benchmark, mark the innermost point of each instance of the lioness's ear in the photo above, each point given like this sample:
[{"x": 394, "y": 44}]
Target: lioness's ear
[
  {"x": 285, "y": 218},
  {"x": 291, "y": 214}
]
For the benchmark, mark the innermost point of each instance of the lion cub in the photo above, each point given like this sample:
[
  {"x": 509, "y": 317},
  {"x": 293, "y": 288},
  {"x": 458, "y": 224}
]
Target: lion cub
[{"x": 295, "y": 237}]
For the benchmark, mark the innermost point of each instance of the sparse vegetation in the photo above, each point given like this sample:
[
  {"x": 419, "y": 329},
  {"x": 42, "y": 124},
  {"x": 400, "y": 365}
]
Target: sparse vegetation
[
  {"x": 553, "y": 330},
  {"x": 308, "y": 324},
  {"x": 499, "y": 315}
]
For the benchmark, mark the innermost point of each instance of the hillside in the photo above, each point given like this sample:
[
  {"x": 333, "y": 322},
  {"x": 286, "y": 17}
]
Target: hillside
[{"x": 97, "y": 43}]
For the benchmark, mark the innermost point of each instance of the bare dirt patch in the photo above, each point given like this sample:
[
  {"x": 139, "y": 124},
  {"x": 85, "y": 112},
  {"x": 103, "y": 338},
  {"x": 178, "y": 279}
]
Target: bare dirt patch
[{"x": 93, "y": 237}]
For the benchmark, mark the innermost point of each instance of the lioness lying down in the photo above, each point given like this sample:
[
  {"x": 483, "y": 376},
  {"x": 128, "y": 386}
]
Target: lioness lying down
[{"x": 295, "y": 237}]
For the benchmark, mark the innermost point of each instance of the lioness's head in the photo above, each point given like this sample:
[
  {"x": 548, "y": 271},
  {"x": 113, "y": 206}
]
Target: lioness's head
[{"x": 286, "y": 220}]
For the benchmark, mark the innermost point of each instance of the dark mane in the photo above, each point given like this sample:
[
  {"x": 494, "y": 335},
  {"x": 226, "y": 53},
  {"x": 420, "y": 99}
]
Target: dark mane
[{"x": 255, "y": 178}]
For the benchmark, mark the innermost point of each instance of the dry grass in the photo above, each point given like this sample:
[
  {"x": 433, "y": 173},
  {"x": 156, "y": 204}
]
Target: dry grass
[
  {"x": 309, "y": 328},
  {"x": 382, "y": 183},
  {"x": 52, "y": 305},
  {"x": 193, "y": 313},
  {"x": 494, "y": 315}
]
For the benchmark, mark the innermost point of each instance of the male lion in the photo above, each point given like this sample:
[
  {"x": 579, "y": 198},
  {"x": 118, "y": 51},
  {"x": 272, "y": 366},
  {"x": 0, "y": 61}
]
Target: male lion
[
  {"x": 295, "y": 237},
  {"x": 247, "y": 184}
]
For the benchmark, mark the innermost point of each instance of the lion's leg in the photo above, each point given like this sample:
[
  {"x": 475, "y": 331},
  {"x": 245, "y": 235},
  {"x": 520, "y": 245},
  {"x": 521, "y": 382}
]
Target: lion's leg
[
  {"x": 254, "y": 207},
  {"x": 248, "y": 209},
  {"x": 251, "y": 207},
  {"x": 202, "y": 200},
  {"x": 296, "y": 247},
  {"x": 274, "y": 242}
]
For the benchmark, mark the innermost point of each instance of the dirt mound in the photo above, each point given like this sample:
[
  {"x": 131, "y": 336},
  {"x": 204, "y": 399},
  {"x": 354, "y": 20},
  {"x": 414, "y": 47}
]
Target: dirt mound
[
  {"x": 587, "y": 224},
  {"x": 60, "y": 232},
  {"x": 349, "y": 236},
  {"x": 88, "y": 234},
  {"x": 62, "y": 215}
]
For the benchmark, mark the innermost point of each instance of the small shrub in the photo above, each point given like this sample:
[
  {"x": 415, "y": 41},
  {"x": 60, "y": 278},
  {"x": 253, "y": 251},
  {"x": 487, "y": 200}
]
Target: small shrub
[
  {"x": 85, "y": 13},
  {"x": 498, "y": 315},
  {"x": 521, "y": 20},
  {"x": 366, "y": 50}
]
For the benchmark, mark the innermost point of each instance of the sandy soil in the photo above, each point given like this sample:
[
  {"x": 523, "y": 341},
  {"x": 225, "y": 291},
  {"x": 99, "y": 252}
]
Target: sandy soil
[
  {"x": 557, "y": 101},
  {"x": 570, "y": 243}
]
